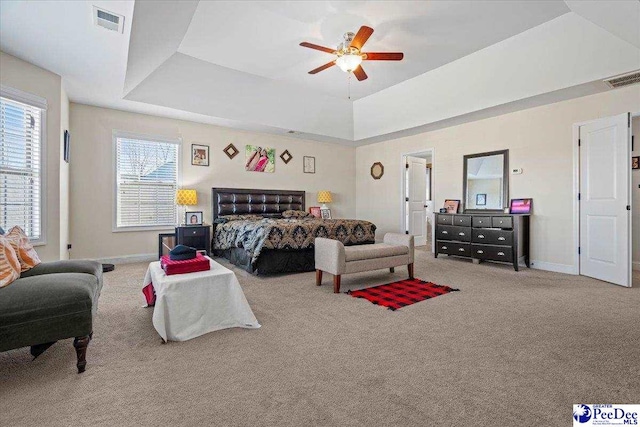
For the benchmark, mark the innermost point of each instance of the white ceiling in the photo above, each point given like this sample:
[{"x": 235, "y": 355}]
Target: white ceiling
[{"x": 238, "y": 64}]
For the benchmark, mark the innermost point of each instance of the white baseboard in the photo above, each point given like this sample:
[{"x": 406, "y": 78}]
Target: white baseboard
[
  {"x": 636, "y": 265},
  {"x": 129, "y": 259},
  {"x": 557, "y": 268}
]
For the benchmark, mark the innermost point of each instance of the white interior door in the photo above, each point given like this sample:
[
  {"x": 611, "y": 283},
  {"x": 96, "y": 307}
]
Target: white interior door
[
  {"x": 605, "y": 197},
  {"x": 417, "y": 195}
]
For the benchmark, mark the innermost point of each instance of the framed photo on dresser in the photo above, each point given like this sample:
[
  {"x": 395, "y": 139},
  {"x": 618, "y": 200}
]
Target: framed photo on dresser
[
  {"x": 315, "y": 211},
  {"x": 451, "y": 205}
]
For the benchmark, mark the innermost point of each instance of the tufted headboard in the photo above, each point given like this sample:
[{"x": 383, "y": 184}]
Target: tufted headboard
[{"x": 268, "y": 203}]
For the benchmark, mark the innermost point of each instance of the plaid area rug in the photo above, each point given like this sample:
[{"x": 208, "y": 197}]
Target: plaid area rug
[{"x": 402, "y": 293}]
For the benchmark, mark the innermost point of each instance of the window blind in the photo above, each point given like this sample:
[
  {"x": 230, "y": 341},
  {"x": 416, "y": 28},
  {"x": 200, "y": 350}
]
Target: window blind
[
  {"x": 147, "y": 179},
  {"x": 21, "y": 167}
]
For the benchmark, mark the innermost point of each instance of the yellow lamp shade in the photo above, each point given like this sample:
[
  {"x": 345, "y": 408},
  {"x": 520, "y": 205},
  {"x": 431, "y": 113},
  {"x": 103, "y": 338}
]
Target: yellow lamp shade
[
  {"x": 324, "y": 196},
  {"x": 186, "y": 197}
]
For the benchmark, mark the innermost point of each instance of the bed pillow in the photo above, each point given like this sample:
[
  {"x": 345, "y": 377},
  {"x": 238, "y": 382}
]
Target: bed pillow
[
  {"x": 9, "y": 264},
  {"x": 247, "y": 217},
  {"x": 19, "y": 241},
  {"x": 296, "y": 214}
]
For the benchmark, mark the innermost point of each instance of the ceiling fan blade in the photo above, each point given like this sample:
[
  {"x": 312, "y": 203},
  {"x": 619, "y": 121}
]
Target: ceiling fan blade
[
  {"x": 361, "y": 38},
  {"x": 360, "y": 74},
  {"x": 317, "y": 47},
  {"x": 324, "y": 67},
  {"x": 384, "y": 56}
]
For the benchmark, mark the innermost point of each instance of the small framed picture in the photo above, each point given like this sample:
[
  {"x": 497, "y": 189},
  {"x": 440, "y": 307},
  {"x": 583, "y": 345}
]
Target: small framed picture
[
  {"x": 451, "y": 205},
  {"x": 481, "y": 199},
  {"x": 199, "y": 155},
  {"x": 520, "y": 206},
  {"x": 325, "y": 213},
  {"x": 315, "y": 211},
  {"x": 635, "y": 162},
  {"x": 193, "y": 218},
  {"x": 67, "y": 145},
  {"x": 309, "y": 164}
]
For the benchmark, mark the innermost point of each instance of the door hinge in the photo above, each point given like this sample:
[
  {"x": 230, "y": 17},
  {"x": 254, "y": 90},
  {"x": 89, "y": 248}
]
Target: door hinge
[
  {"x": 579, "y": 195},
  {"x": 579, "y": 142},
  {"x": 406, "y": 232},
  {"x": 578, "y": 250},
  {"x": 406, "y": 199},
  {"x": 629, "y": 120},
  {"x": 628, "y": 207},
  {"x": 406, "y": 166}
]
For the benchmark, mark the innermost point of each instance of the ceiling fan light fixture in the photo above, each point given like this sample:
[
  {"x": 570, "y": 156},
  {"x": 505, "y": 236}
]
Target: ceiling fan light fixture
[{"x": 349, "y": 62}]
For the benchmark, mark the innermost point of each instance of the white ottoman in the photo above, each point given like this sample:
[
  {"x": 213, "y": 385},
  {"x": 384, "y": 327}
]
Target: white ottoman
[{"x": 192, "y": 304}]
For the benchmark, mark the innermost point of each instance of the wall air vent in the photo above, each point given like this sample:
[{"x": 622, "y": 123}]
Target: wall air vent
[
  {"x": 109, "y": 20},
  {"x": 624, "y": 80}
]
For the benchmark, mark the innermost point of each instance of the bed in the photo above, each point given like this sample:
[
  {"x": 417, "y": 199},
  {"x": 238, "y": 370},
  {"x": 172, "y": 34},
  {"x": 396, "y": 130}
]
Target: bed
[{"x": 261, "y": 241}]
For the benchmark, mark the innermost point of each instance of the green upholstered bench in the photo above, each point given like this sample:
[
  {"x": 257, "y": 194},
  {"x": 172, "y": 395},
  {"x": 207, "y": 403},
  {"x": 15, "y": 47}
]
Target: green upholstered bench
[{"x": 51, "y": 302}]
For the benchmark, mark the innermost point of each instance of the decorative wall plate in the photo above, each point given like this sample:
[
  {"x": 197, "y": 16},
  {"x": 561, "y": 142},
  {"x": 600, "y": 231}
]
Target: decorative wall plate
[
  {"x": 231, "y": 151},
  {"x": 286, "y": 156},
  {"x": 377, "y": 170}
]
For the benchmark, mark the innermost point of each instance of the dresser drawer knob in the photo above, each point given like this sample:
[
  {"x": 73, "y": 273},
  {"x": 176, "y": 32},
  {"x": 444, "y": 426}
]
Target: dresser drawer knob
[
  {"x": 480, "y": 252},
  {"x": 460, "y": 234},
  {"x": 500, "y": 253},
  {"x": 480, "y": 236},
  {"x": 461, "y": 249},
  {"x": 444, "y": 248},
  {"x": 501, "y": 238},
  {"x": 445, "y": 232},
  {"x": 500, "y": 222}
]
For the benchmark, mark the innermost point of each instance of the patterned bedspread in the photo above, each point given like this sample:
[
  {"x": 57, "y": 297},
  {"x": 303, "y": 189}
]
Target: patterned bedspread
[{"x": 254, "y": 236}]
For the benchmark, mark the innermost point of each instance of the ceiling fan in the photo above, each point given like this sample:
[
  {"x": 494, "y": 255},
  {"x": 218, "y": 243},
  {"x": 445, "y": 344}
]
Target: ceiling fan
[{"x": 350, "y": 56}]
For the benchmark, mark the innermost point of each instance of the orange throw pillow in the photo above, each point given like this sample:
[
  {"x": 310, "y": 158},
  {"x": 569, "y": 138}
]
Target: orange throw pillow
[
  {"x": 27, "y": 256},
  {"x": 9, "y": 264}
]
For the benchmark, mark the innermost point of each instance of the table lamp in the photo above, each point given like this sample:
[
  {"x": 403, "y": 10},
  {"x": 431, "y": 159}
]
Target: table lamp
[
  {"x": 186, "y": 197},
  {"x": 324, "y": 197}
]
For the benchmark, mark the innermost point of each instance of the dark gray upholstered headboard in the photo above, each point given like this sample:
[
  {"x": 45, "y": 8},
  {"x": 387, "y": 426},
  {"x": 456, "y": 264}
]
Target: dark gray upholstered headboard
[{"x": 268, "y": 203}]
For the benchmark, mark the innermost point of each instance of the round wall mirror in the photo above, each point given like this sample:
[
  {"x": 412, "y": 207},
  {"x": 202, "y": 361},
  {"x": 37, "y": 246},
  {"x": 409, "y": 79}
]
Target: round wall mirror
[{"x": 377, "y": 170}]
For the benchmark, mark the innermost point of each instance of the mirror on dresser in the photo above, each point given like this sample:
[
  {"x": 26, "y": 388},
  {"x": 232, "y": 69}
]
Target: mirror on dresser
[{"x": 485, "y": 185}]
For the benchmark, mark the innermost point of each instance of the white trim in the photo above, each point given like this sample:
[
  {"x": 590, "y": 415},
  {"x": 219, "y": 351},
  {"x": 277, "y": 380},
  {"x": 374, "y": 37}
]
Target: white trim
[
  {"x": 576, "y": 191},
  {"x": 24, "y": 97},
  {"x": 403, "y": 224},
  {"x": 556, "y": 268},
  {"x": 115, "y": 134},
  {"x": 129, "y": 259},
  {"x": 38, "y": 102}
]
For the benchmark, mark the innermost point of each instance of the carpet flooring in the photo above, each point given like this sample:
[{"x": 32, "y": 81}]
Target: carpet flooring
[{"x": 510, "y": 349}]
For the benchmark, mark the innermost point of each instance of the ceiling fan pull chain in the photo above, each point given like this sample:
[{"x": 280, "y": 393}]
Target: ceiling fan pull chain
[{"x": 349, "y": 85}]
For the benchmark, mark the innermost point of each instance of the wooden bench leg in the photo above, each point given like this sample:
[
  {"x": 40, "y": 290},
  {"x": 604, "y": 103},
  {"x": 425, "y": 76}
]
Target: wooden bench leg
[
  {"x": 336, "y": 284},
  {"x": 392, "y": 270},
  {"x": 318, "y": 277},
  {"x": 81, "y": 344},
  {"x": 410, "y": 269}
]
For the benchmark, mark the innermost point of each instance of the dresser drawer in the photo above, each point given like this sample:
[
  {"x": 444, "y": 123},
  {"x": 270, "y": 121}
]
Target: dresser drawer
[
  {"x": 452, "y": 232},
  {"x": 481, "y": 221},
  {"x": 445, "y": 219},
  {"x": 502, "y": 222},
  {"x": 192, "y": 232},
  {"x": 462, "y": 220},
  {"x": 492, "y": 237},
  {"x": 453, "y": 248},
  {"x": 492, "y": 253}
]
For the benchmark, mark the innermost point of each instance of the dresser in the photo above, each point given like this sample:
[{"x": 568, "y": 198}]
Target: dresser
[
  {"x": 195, "y": 236},
  {"x": 484, "y": 237}
]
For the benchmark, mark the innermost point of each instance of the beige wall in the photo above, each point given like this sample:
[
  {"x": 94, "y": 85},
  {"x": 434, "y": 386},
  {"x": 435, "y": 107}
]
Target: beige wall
[
  {"x": 26, "y": 77},
  {"x": 635, "y": 196},
  {"x": 92, "y": 174},
  {"x": 539, "y": 141}
]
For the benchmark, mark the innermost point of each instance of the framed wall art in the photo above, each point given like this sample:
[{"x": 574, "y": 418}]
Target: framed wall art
[
  {"x": 309, "y": 164},
  {"x": 377, "y": 170},
  {"x": 286, "y": 156},
  {"x": 635, "y": 162},
  {"x": 260, "y": 159},
  {"x": 231, "y": 151},
  {"x": 199, "y": 155},
  {"x": 481, "y": 199}
]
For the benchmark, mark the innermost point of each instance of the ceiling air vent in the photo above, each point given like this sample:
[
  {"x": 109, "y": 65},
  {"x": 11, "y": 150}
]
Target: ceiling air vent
[
  {"x": 624, "y": 80},
  {"x": 109, "y": 20}
]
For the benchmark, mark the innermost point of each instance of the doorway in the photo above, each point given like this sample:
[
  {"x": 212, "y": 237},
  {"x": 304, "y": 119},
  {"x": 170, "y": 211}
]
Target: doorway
[
  {"x": 418, "y": 191},
  {"x": 603, "y": 199}
]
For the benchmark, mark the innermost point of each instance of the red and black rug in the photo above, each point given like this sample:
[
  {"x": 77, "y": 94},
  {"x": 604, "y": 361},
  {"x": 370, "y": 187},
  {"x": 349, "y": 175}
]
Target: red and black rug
[{"x": 402, "y": 293}]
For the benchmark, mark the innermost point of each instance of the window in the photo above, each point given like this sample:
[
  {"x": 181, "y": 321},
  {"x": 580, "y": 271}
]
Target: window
[
  {"x": 146, "y": 182},
  {"x": 22, "y": 120}
]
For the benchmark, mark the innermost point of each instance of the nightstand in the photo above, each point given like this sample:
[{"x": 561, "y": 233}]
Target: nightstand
[{"x": 195, "y": 236}]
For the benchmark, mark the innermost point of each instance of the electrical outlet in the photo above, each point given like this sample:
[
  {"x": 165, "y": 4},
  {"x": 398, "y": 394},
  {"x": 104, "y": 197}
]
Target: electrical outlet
[{"x": 516, "y": 171}]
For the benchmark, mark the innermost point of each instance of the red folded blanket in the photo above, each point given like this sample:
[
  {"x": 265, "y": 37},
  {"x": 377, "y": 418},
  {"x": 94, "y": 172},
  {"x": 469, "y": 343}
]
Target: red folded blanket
[{"x": 199, "y": 263}]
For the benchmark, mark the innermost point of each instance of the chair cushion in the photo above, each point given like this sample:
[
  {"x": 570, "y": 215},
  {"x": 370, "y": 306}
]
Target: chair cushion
[
  {"x": 27, "y": 255},
  {"x": 378, "y": 250},
  {"x": 9, "y": 263}
]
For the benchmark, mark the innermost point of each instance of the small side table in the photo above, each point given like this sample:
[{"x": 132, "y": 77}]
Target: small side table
[{"x": 195, "y": 236}]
